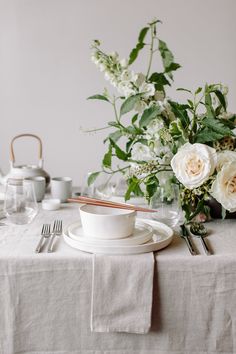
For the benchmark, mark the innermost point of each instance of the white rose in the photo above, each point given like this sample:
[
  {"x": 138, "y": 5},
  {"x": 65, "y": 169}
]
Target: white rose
[
  {"x": 194, "y": 164},
  {"x": 224, "y": 187},
  {"x": 141, "y": 152},
  {"x": 225, "y": 157}
]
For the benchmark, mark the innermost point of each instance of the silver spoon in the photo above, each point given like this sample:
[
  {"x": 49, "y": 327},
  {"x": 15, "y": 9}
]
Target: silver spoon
[{"x": 200, "y": 231}]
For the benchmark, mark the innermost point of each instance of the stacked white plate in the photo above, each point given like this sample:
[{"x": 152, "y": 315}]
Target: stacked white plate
[{"x": 148, "y": 236}]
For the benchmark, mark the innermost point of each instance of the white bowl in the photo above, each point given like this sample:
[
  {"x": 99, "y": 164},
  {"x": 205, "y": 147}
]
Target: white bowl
[{"x": 107, "y": 223}]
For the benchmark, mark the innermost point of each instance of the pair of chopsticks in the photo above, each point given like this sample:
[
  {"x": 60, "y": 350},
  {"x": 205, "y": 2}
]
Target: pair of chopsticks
[{"x": 108, "y": 204}]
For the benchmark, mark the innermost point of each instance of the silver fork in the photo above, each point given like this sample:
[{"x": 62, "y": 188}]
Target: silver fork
[
  {"x": 57, "y": 231},
  {"x": 45, "y": 234}
]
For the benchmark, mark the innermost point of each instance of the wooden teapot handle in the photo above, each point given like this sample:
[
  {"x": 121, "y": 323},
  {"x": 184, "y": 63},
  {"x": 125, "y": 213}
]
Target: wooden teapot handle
[{"x": 12, "y": 155}]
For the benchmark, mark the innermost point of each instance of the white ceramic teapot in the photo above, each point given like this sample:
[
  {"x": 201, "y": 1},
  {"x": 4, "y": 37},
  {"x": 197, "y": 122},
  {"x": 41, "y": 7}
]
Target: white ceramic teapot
[{"x": 24, "y": 171}]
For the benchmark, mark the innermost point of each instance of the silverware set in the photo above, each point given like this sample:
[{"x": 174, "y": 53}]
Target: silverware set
[
  {"x": 195, "y": 230},
  {"x": 47, "y": 234}
]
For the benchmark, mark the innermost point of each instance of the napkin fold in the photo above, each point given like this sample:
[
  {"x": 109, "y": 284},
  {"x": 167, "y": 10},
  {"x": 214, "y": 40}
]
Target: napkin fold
[{"x": 122, "y": 288}]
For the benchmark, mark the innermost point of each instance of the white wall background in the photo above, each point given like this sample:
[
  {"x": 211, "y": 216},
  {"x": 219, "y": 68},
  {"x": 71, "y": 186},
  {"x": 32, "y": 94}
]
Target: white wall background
[{"x": 46, "y": 73}]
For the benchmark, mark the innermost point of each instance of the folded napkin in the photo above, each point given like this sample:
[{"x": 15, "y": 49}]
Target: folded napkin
[{"x": 122, "y": 293}]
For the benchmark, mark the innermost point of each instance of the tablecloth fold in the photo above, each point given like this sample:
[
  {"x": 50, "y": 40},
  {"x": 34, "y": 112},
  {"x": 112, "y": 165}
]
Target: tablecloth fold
[{"x": 122, "y": 289}]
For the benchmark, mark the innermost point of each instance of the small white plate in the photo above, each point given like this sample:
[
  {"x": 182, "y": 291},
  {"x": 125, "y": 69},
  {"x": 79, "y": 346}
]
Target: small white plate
[
  {"x": 142, "y": 234},
  {"x": 162, "y": 237}
]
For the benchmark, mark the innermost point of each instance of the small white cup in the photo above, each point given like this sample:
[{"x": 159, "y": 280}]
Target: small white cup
[
  {"x": 39, "y": 184},
  {"x": 61, "y": 188}
]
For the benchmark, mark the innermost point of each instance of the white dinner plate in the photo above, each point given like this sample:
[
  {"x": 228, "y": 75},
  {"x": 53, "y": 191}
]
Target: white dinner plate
[
  {"x": 142, "y": 234},
  {"x": 162, "y": 236}
]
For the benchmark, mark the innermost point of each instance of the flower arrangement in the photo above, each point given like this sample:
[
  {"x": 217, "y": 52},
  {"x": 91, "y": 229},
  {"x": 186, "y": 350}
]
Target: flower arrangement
[{"x": 161, "y": 141}]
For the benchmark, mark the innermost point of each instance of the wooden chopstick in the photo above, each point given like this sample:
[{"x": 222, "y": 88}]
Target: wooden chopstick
[{"x": 110, "y": 204}]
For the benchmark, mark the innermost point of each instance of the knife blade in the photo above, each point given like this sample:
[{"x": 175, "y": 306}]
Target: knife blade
[{"x": 184, "y": 233}]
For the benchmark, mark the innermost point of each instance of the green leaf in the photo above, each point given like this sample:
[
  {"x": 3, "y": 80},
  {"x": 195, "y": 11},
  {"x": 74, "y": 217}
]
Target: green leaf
[
  {"x": 129, "y": 104},
  {"x": 98, "y": 97},
  {"x": 207, "y": 135},
  {"x": 148, "y": 115},
  {"x": 199, "y": 89},
  {"x": 142, "y": 34},
  {"x": 190, "y": 103},
  {"x": 217, "y": 126},
  {"x": 114, "y": 124},
  {"x": 128, "y": 145},
  {"x": 92, "y": 177},
  {"x": 131, "y": 130},
  {"x": 174, "y": 129},
  {"x": 119, "y": 153},
  {"x": 133, "y": 188},
  {"x": 151, "y": 186},
  {"x": 114, "y": 136},
  {"x": 208, "y": 103},
  {"x": 172, "y": 67},
  {"x": 134, "y": 52},
  {"x": 107, "y": 158},
  {"x": 154, "y": 22},
  {"x": 159, "y": 80},
  {"x": 218, "y": 110},
  {"x": 180, "y": 112},
  {"x": 221, "y": 98},
  {"x": 134, "y": 119},
  {"x": 183, "y": 89},
  {"x": 166, "y": 54}
]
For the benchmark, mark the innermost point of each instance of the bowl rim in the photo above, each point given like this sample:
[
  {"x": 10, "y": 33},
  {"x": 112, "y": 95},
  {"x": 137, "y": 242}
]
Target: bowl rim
[{"x": 125, "y": 212}]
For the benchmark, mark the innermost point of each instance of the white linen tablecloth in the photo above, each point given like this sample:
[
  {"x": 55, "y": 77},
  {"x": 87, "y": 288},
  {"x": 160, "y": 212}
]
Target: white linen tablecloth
[{"x": 45, "y": 299}]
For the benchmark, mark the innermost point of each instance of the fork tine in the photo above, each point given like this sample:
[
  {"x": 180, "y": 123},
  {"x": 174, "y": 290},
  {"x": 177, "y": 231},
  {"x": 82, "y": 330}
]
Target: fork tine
[
  {"x": 48, "y": 229},
  {"x": 43, "y": 228},
  {"x": 57, "y": 231},
  {"x": 44, "y": 234},
  {"x": 55, "y": 225},
  {"x": 59, "y": 228}
]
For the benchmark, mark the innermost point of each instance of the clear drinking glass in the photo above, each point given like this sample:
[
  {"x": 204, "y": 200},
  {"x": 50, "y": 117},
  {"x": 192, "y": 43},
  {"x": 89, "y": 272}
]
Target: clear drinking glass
[
  {"x": 20, "y": 204},
  {"x": 167, "y": 203},
  {"x": 101, "y": 188}
]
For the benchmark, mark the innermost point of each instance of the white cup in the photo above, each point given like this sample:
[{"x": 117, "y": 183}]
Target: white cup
[
  {"x": 61, "y": 188},
  {"x": 39, "y": 184}
]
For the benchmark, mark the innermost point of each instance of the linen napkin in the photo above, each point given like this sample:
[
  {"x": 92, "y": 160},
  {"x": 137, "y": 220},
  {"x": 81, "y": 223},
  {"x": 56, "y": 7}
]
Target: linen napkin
[{"x": 122, "y": 289}]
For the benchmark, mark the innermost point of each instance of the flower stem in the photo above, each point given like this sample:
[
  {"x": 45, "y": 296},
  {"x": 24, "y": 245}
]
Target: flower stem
[
  {"x": 115, "y": 110},
  {"x": 151, "y": 52},
  {"x": 115, "y": 171},
  {"x": 95, "y": 130}
]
